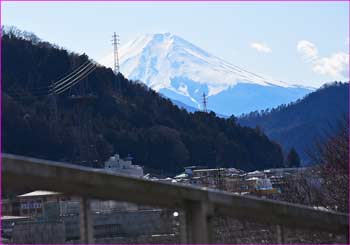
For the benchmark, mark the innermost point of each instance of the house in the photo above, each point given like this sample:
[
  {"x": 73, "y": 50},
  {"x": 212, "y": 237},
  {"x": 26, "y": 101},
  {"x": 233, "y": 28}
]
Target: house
[
  {"x": 115, "y": 164},
  {"x": 32, "y": 204}
]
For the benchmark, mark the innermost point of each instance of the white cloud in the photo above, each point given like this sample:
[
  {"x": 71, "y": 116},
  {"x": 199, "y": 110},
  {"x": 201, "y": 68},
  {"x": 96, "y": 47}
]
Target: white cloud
[
  {"x": 261, "y": 47},
  {"x": 336, "y": 65},
  {"x": 307, "y": 49}
]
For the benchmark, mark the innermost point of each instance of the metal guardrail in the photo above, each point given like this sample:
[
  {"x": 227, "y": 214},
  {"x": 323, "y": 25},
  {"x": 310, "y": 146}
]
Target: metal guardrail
[{"x": 200, "y": 204}]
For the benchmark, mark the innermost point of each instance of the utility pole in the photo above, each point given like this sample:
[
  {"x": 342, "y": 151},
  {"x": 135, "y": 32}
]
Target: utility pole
[
  {"x": 204, "y": 102},
  {"x": 115, "y": 42}
]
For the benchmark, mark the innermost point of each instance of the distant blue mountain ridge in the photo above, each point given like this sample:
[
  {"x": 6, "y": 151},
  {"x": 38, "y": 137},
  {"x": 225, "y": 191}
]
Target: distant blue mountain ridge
[{"x": 238, "y": 99}]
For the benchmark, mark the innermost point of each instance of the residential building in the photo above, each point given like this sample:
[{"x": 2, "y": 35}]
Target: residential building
[{"x": 115, "y": 164}]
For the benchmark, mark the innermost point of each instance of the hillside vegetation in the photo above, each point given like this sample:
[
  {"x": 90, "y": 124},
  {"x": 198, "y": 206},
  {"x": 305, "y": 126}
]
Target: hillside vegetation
[
  {"x": 126, "y": 117},
  {"x": 306, "y": 122}
]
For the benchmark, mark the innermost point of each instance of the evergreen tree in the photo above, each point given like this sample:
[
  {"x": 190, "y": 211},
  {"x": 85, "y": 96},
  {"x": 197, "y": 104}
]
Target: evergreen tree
[
  {"x": 293, "y": 159},
  {"x": 127, "y": 118}
]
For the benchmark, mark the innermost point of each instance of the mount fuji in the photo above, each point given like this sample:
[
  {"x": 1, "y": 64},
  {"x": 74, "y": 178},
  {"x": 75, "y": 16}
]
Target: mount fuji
[{"x": 182, "y": 72}]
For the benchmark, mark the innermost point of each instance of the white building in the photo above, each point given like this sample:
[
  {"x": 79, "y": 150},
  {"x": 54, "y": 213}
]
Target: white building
[
  {"x": 123, "y": 166},
  {"x": 117, "y": 165},
  {"x": 256, "y": 174},
  {"x": 263, "y": 184}
]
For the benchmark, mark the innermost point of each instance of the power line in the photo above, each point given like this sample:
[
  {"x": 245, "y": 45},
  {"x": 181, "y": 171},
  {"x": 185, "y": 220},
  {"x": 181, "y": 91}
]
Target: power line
[
  {"x": 72, "y": 77},
  {"x": 54, "y": 86},
  {"x": 76, "y": 80},
  {"x": 70, "y": 74}
]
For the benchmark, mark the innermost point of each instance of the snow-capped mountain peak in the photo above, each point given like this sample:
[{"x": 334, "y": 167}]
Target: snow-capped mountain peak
[
  {"x": 177, "y": 68},
  {"x": 156, "y": 59}
]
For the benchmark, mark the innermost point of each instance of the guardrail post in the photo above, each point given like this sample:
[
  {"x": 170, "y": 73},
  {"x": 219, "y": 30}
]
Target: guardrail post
[
  {"x": 183, "y": 227},
  {"x": 86, "y": 223},
  {"x": 198, "y": 217},
  {"x": 280, "y": 234}
]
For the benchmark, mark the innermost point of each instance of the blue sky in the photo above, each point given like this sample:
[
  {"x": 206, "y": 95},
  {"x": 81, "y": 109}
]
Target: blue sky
[{"x": 300, "y": 43}]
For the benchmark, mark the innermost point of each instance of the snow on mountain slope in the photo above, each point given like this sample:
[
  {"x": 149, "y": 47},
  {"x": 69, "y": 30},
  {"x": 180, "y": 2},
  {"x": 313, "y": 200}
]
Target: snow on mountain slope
[{"x": 180, "y": 70}]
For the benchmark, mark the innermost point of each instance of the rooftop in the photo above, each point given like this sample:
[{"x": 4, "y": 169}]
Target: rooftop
[
  {"x": 8, "y": 217},
  {"x": 209, "y": 169},
  {"x": 40, "y": 193}
]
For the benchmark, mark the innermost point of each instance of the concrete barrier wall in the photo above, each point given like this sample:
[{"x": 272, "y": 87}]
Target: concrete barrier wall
[
  {"x": 200, "y": 204},
  {"x": 123, "y": 224},
  {"x": 39, "y": 233}
]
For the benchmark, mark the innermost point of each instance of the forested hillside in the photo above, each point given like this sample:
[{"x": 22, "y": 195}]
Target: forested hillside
[
  {"x": 126, "y": 117},
  {"x": 307, "y": 121}
]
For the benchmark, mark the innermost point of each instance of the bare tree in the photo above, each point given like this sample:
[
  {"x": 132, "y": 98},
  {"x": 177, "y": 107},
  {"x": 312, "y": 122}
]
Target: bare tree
[
  {"x": 333, "y": 157},
  {"x": 326, "y": 184},
  {"x": 304, "y": 187}
]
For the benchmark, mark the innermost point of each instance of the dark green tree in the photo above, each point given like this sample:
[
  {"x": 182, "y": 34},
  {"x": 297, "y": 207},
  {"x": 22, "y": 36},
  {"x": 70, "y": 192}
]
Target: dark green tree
[
  {"x": 126, "y": 118},
  {"x": 293, "y": 159}
]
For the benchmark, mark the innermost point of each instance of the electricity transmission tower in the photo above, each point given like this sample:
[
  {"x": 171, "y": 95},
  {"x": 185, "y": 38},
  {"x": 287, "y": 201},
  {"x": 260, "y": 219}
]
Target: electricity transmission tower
[
  {"x": 204, "y": 102},
  {"x": 85, "y": 152},
  {"x": 116, "y": 42}
]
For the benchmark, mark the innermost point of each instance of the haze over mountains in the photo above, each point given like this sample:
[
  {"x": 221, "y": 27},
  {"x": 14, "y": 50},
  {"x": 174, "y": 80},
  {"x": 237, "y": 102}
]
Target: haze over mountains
[{"x": 182, "y": 72}]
